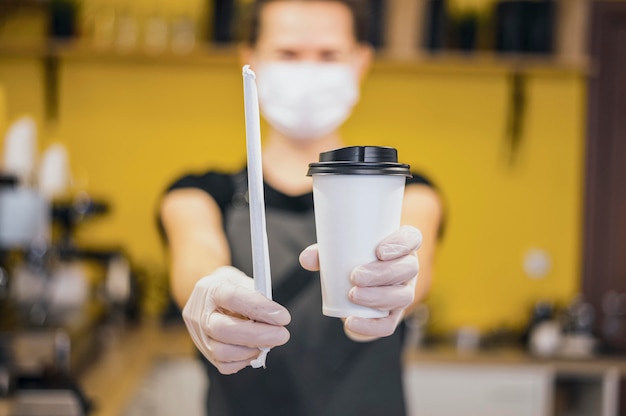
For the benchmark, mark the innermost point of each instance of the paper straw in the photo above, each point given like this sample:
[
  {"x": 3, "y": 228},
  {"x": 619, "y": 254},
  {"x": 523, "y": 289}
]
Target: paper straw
[{"x": 260, "y": 250}]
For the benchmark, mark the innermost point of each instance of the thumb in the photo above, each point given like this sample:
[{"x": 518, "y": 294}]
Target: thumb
[{"x": 309, "y": 258}]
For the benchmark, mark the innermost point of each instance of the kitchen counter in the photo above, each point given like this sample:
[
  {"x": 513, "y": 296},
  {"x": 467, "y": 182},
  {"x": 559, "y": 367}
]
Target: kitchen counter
[
  {"x": 513, "y": 382},
  {"x": 117, "y": 376},
  {"x": 592, "y": 366},
  {"x": 120, "y": 372},
  {"x": 127, "y": 359},
  {"x": 129, "y": 355}
]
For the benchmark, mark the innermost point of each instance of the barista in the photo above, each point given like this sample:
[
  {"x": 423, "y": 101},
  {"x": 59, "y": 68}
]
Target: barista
[{"x": 310, "y": 58}]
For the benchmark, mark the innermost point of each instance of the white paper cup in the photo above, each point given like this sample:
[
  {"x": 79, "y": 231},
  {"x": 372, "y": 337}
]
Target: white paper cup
[{"x": 358, "y": 194}]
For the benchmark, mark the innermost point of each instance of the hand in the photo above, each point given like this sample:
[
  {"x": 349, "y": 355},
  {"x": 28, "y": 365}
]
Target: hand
[
  {"x": 229, "y": 321},
  {"x": 386, "y": 284}
]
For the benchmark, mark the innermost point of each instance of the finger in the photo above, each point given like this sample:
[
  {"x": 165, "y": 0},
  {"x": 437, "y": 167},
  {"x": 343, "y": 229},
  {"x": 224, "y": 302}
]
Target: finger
[
  {"x": 231, "y": 368},
  {"x": 199, "y": 339},
  {"x": 373, "y": 327},
  {"x": 195, "y": 304},
  {"x": 383, "y": 297},
  {"x": 228, "y": 353},
  {"x": 249, "y": 303},
  {"x": 385, "y": 273},
  {"x": 231, "y": 330},
  {"x": 405, "y": 240},
  {"x": 309, "y": 258},
  {"x": 195, "y": 330}
]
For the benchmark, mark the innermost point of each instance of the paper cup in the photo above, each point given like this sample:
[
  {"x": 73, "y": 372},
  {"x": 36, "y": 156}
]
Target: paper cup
[{"x": 358, "y": 194}]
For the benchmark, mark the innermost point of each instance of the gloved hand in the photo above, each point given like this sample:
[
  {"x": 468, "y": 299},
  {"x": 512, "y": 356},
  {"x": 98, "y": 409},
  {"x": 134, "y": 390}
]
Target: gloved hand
[
  {"x": 229, "y": 321},
  {"x": 386, "y": 284}
]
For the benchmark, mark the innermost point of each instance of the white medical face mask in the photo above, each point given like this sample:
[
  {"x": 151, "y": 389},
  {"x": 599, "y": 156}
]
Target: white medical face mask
[{"x": 306, "y": 100}]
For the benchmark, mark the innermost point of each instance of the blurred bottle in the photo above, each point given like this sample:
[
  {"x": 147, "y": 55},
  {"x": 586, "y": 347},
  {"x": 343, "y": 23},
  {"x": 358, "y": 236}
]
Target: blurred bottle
[
  {"x": 63, "y": 22},
  {"x": 436, "y": 25},
  {"x": 222, "y": 21},
  {"x": 467, "y": 30},
  {"x": 525, "y": 26},
  {"x": 20, "y": 150},
  {"x": 54, "y": 175},
  {"x": 578, "y": 322},
  {"x": 103, "y": 26},
  {"x": 579, "y": 317},
  {"x": 613, "y": 324},
  {"x": 542, "y": 311},
  {"x": 376, "y": 24},
  {"x": 157, "y": 31},
  {"x": 127, "y": 29},
  {"x": 403, "y": 26},
  {"x": 24, "y": 212},
  {"x": 467, "y": 339},
  {"x": 184, "y": 27},
  {"x": 539, "y": 33},
  {"x": 546, "y": 338},
  {"x": 183, "y": 34}
]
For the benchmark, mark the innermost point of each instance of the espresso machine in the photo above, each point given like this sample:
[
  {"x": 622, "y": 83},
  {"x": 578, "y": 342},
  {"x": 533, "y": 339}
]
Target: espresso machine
[{"x": 56, "y": 297}]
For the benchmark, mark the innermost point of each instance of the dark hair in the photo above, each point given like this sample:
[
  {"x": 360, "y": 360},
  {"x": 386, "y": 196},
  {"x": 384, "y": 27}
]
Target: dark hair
[{"x": 251, "y": 21}]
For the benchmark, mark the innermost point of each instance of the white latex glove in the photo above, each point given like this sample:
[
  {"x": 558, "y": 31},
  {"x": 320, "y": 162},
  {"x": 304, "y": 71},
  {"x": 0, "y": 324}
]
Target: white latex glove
[
  {"x": 229, "y": 321},
  {"x": 387, "y": 284}
]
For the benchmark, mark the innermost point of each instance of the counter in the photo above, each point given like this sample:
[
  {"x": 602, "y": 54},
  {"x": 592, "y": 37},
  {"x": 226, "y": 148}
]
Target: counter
[
  {"x": 501, "y": 377},
  {"x": 128, "y": 356},
  {"x": 592, "y": 366},
  {"x": 115, "y": 379},
  {"x": 512, "y": 382}
]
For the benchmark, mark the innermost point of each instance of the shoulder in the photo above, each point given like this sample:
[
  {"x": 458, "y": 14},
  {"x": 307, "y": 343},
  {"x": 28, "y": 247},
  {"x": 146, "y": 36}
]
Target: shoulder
[
  {"x": 419, "y": 179},
  {"x": 204, "y": 181},
  {"x": 419, "y": 183},
  {"x": 420, "y": 188},
  {"x": 218, "y": 185}
]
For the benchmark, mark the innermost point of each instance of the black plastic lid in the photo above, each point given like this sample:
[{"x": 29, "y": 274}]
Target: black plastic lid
[{"x": 360, "y": 160}]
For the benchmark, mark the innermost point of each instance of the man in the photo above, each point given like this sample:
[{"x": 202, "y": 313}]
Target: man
[{"x": 310, "y": 58}]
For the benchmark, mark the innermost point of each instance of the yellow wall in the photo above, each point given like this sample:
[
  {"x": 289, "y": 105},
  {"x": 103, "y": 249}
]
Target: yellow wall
[
  {"x": 452, "y": 125},
  {"x": 133, "y": 126}
]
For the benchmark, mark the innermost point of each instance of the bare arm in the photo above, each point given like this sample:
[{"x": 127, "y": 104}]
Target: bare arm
[
  {"x": 197, "y": 243},
  {"x": 422, "y": 208},
  {"x": 227, "y": 319}
]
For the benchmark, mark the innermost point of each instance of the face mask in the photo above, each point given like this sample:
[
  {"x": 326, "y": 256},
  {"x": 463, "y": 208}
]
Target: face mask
[{"x": 306, "y": 100}]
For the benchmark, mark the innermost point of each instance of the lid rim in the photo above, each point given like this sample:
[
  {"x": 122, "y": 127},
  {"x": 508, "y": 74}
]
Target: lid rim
[
  {"x": 360, "y": 169},
  {"x": 360, "y": 160},
  {"x": 360, "y": 173}
]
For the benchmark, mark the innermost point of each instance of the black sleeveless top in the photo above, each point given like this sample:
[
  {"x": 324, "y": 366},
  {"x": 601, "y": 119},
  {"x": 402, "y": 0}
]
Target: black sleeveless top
[{"x": 320, "y": 371}]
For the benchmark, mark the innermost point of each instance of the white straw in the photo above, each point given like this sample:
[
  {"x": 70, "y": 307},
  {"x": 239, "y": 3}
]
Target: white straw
[{"x": 260, "y": 250}]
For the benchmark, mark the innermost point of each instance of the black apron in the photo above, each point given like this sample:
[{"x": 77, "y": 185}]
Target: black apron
[{"x": 319, "y": 372}]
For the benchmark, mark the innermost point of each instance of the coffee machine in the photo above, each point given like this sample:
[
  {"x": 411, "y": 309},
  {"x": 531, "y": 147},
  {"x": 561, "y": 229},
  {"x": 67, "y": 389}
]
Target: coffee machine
[{"x": 56, "y": 298}]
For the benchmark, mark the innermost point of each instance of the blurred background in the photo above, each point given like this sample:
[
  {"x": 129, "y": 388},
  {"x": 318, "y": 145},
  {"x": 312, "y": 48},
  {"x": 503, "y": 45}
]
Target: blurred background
[{"x": 515, "y": 108}]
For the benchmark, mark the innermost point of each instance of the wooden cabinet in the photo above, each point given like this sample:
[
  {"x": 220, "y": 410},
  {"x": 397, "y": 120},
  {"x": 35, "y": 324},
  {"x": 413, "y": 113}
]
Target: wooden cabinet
[
  {"x": 497, "y": 390},
  {"x": 510, "y": 383}
]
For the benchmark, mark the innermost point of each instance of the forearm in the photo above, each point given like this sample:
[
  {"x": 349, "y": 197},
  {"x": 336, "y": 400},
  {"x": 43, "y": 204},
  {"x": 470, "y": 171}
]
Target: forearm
[
  {"x": 423, "y": 210},
  {"x": 182, "y": 282},
  {"x": 188, "y": 268},
  {"x": 197, "y": 244}
]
